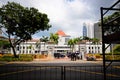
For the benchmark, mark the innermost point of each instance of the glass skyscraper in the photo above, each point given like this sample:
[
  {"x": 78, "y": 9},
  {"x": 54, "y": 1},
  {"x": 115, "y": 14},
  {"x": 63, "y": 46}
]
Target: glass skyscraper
[{"x": 84, "y": 30}]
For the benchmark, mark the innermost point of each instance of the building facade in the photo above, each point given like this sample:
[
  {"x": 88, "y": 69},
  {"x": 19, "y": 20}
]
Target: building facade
[
  {"x": 29, "y": 47},
  {"x": 35, "y": 46},
  {"x": 97, "y": 31}
]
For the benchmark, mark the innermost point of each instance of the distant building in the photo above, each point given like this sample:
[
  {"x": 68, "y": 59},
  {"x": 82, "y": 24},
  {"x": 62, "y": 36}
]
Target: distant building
[
  {"x": 62, "y": 46},
  {"x": 84, "y": 30},
  {"x": 35, "y": 46},
  {"x": 89, "y": 47},
  {"x": 63, "y": 38},
  {"x": 90, "y": 32},
  {"x": 97, "y": 31},
  {"x": 28, "y": 47}
]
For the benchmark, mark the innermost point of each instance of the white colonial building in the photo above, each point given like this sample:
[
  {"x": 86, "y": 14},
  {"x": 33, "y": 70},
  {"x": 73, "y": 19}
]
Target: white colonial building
[
  {"x": 89, "y": 47},
  {"x": 62, "y": 46},
  {"x": 35, "y": 46},
  {"x": 29, "y": 47}
]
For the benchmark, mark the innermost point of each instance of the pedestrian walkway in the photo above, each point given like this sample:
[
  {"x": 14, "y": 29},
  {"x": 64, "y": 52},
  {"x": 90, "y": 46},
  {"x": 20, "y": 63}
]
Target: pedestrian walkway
[
  {"x": 53, "y": 60},
  {"x": 63, "y": 60}
]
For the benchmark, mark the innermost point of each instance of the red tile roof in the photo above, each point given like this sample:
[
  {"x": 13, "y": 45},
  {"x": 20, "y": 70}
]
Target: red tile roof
[{"x": 61, "y": 33}]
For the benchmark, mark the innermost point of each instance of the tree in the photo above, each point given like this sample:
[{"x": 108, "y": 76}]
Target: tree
[
  {"x": 112, "y": 23},
  {"x": 38, "y": 46},
  {"x": 54, "y": 38},
  {"x": 44, "y": 39},
  {"x": 95, "y": 40},
  {"x": 72, "y": 42},
  {"x": 86, "y": 38},
  {"x": 116, "y": 49},
  {"x": 22, "y": 22}
]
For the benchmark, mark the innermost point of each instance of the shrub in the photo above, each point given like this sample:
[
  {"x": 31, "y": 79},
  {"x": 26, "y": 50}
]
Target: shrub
[
  {"x": 114, "y": 57},
  {"x": 98, "y": 55},
  {"x": 22, "y": 57},
  {"x": 7, "y": 55},
  {"x": 25, "y": 57},
  {"x": 1, "y": 55},
  {"x": 39, "y": 56},
  {"x": 6, "y": 58}
]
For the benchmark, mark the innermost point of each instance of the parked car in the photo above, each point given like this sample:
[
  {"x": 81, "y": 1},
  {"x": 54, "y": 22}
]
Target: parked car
[
  {"x": 59, "y": 55},
  {"x": 91, "y": 58}
]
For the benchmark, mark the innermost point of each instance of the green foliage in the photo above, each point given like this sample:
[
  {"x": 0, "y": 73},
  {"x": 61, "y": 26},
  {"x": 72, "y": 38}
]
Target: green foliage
[
  {"x": 114, "y": 57},
  {"x": 113, "y": 16},
  {"x": 95, "y": 40},
  {"x": 86, "y": 38},
  {"x": 97, "y": 55},
  {"x": 4, "y": 44},
  {"x": 22, "y": 22},
  {"x": 114, "y": 25},
  {"x": 116, "y": 49},
  {"x": 72, "y": 42},
  {"x": 44, "y": 39},
  {"x": 54, "y": 38},
  {"x": 22, "y": 57}
]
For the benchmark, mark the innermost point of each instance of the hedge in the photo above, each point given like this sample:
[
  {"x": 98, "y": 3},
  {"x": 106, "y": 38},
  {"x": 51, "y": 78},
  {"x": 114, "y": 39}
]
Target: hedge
[
  {"x": 22, "y": 57},
  {"x": 114, "y": 57}
]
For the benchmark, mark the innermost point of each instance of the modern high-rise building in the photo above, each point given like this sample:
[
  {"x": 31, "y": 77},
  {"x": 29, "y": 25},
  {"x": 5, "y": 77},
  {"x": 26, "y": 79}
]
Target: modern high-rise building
[
  {"x": 90, "y": 32},
  {"x": 84, "y": 30},
  {"x": 97, "y": 31}
]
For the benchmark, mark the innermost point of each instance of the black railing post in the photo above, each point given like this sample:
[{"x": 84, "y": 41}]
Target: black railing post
[
  {"x": 63, "y": 72},
  {"x": 103, "y": 44}
]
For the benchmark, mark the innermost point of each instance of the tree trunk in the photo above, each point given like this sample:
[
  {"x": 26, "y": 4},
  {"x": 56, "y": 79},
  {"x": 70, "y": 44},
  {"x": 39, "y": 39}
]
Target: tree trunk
[
  {"x": 14, "y": 52},
  {"x": 44, "y": 46},
  {"x": 40, "y": 48},
  {"x": 72, "y": 48}
]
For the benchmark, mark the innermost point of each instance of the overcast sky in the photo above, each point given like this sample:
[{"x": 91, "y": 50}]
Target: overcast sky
[{"x": 66, "y": 15}]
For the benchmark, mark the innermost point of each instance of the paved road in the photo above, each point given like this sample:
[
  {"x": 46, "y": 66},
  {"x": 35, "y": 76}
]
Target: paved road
[{"x": 57, "y": 70}]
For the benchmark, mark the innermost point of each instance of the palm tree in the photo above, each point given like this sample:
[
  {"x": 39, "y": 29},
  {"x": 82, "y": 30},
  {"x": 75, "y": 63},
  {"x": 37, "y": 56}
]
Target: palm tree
[
  {"x": 72, "y": 42},
  {"x": 95, "y": 40},
  {"x": 44, "y": 39},
  {"x": 54, "y": 38},
  {"x": 87, "y": 39},
  {"x": 38, "y": 45}
]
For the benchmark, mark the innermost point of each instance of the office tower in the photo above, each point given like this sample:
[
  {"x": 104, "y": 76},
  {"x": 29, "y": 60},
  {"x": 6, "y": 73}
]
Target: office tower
[
  {"x": 84, "y": 30},
  {"x": 97, "y": 31}
]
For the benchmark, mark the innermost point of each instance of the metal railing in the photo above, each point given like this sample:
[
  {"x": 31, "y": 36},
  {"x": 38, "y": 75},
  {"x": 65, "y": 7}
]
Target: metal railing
[{"x": 57, "y": 73}]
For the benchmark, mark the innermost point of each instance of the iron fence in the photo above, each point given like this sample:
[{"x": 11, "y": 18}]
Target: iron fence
[{"x": 58, "y": 73}]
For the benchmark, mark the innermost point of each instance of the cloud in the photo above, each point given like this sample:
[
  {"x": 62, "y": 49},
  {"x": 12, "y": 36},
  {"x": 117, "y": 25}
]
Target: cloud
[{"x": 67, "y": 15}]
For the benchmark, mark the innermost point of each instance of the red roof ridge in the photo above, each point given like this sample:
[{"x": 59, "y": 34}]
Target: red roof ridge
[{"x": 61, "y": 33}]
